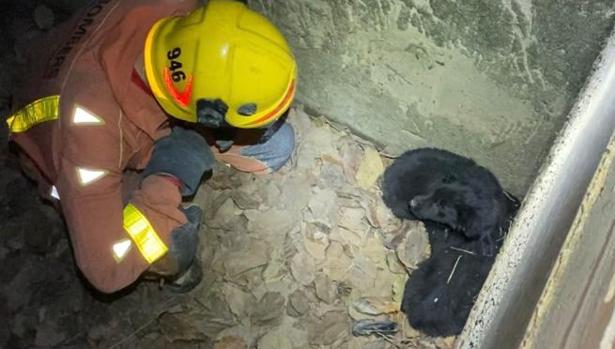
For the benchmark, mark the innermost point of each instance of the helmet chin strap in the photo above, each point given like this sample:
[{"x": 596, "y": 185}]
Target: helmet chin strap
[{"x": 212, "y": 113}]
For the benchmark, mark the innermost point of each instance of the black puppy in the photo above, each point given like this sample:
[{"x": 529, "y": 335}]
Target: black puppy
[
  {"x": 466, "y": 214},
  {"x": 440, "y": 294},
  {"x": 439, "y": 186}
]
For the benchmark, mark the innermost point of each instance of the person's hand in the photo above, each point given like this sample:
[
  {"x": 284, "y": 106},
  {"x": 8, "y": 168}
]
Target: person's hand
[{"x": 185, "y": 155}]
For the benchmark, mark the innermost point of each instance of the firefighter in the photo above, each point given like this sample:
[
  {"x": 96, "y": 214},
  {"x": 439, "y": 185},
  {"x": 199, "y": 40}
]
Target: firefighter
[{"x": 106, "y": 122}]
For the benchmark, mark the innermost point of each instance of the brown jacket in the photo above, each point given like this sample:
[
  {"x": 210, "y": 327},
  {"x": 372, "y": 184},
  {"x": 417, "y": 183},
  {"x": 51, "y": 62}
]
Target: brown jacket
[{"x": 107, "y": 125}]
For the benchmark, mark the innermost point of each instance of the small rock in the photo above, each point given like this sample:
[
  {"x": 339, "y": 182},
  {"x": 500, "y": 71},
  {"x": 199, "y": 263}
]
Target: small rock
[
  {"x": 44, "y": 17},
  {"x": 269, "y": 309},
  {"x": 230, "y": 342}
]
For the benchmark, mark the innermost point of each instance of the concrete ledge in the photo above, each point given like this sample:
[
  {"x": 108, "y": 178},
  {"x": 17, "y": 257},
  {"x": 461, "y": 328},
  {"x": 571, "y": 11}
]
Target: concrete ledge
[{"x": 505, "y": 305}]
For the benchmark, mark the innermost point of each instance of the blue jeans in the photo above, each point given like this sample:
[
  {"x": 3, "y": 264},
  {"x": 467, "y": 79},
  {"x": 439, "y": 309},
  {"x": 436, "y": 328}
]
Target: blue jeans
[{"x": 254, "y": 155}]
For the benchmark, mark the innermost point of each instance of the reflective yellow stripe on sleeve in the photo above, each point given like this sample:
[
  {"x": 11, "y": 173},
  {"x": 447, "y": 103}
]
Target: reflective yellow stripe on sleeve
[
  {"x": 37, "y": 112},
  {"x": 143, "y": 234}
]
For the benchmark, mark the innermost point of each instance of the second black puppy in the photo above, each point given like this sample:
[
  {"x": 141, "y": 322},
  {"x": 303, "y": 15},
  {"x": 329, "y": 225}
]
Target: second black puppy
[{"x": 439, "y": 186}]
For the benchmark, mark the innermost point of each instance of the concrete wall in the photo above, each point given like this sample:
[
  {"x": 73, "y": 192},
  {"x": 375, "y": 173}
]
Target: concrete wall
[
  {"x": 491, "y": 79},
  {"x": 576, "y": 309}
]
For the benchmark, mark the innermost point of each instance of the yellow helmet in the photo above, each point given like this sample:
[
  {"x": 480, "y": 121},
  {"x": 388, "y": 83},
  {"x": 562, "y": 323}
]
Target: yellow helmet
[{"x": 222, "y": 51}]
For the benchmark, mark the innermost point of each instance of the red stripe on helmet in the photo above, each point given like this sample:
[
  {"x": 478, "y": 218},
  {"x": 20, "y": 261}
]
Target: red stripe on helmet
[
  {"x": 184, "y": 97},
  {"x": 278, "y": 109}
]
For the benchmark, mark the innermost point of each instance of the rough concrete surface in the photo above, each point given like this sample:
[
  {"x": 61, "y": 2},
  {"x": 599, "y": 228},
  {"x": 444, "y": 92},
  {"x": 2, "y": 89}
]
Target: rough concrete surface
[
  {"x": 503, "y": 309},
  {"x": 576, "y": 307},
  {"x": 490, "y": 79}
]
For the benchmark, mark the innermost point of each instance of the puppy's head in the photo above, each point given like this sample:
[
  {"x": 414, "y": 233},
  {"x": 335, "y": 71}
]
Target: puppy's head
[{"x": 441, "y": 206}]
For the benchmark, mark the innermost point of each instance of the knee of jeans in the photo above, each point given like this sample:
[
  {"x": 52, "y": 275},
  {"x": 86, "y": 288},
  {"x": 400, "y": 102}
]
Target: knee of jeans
[{"x": 276, "y": 151}]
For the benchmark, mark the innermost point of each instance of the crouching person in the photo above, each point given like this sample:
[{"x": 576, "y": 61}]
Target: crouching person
[{"x": 92, "y": 126}]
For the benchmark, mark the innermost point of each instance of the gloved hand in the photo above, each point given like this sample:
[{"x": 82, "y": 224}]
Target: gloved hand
[
  {"x": 183, "y": 249},
  {"x": 185, "y": 155},
  {"x": 185, "y": 238},
  {"x": 211, "y": 113}
]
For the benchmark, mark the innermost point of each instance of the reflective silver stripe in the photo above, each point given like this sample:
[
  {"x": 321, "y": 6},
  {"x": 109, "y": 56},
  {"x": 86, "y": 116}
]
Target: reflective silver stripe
[
  {"x": 82, "y": 116},
  {"x": 88, "y": 176}
]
